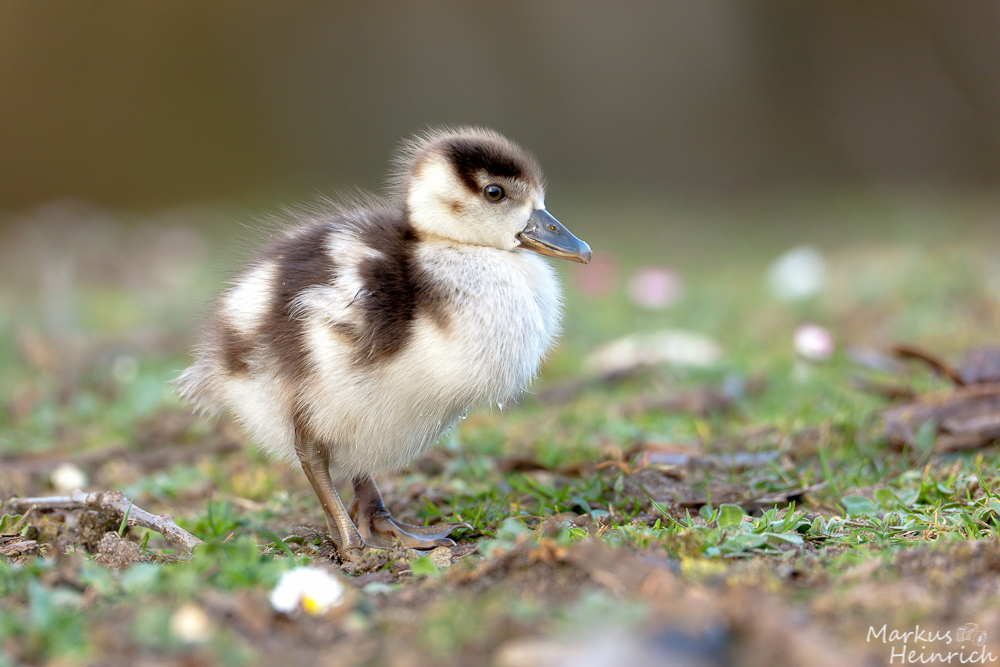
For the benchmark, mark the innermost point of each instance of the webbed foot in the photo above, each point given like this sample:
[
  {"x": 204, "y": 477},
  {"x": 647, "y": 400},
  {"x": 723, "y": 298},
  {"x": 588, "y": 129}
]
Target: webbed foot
[{"x": 378, "y": 527}]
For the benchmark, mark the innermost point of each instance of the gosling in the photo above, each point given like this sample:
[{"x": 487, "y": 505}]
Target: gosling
[{"x": 361, "y": 335}]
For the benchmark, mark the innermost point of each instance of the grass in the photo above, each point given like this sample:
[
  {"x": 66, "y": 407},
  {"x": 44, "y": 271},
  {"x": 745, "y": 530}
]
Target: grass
[{"x": 88, "y": 361}]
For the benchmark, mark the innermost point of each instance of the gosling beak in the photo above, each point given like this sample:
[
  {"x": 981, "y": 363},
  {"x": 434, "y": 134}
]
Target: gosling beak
[{"x": 546, "y": 235}]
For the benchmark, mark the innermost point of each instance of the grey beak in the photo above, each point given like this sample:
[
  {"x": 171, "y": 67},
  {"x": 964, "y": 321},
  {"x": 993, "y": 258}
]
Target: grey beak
[{"x": 546, "y": 235}]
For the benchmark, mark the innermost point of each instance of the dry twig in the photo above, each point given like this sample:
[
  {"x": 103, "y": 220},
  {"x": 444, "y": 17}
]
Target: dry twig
[
  {"x": 904, "y": 351},
  {"x": 113, "y": 501}
]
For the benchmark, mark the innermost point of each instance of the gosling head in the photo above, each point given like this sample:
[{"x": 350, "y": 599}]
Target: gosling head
[{"x": 474, "y": 186}]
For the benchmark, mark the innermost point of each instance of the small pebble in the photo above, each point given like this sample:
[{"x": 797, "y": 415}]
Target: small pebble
[
  {"x": 67, "y": 478},
  {"x": 191, "y": 624},
  {"x": 798, "y": 274}
]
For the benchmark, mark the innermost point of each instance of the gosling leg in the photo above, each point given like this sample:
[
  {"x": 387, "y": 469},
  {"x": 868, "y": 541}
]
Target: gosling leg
[{"x": 315, "y": 460}]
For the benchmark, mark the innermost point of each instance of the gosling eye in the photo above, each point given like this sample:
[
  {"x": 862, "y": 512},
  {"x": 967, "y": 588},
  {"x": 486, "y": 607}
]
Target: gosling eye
[{"x": 494, "y": 192}]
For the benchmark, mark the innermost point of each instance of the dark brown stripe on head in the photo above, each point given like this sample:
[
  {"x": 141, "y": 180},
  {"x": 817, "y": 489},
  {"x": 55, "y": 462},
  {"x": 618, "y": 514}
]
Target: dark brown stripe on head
[
  {"x": 470, "y": 152},
  {"x": 472, "y": 155},
  {"x": 302, "y": 261},
  {"x": 234, "y": 349}
]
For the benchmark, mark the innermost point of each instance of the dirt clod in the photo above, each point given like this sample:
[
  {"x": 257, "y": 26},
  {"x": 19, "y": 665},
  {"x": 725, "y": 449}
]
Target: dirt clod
[
  {"x": 92, "y": 527},
  {"x": 117, "y": 552}
]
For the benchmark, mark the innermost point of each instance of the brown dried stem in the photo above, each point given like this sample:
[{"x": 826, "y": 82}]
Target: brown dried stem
[{"x": 113, "y": 501}]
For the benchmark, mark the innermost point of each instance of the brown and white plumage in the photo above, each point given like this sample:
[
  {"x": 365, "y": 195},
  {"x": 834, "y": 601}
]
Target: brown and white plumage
[{"x": 360, "y": 336}]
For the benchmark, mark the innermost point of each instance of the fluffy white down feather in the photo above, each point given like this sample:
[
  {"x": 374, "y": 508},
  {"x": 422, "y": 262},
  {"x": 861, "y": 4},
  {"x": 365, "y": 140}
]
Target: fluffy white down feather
[{"x": 503, "y": 317}]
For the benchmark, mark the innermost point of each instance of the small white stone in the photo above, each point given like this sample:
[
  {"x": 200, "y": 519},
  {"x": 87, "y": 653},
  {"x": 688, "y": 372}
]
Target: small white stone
[
  {"x": 191, "y": 624},
  {"x": 310, "y": 588},
  {"x": 671, "y": 346},
  {"x": 813, "y": 342},
  {"x": 68, "y": 477},
  {"x": 798, "y": 274}
]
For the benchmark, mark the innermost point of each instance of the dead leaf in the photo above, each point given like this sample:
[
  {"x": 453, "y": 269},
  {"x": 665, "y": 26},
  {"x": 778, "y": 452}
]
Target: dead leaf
[
  {"x": 965, "y": 418},
  {"x": 981, "y": 365},
  {"x": 650, "y": 485},
  {"x": 687, "y": 456},
  {"x": 531, "y": 464},
  {"x": 17, "y": 547}
]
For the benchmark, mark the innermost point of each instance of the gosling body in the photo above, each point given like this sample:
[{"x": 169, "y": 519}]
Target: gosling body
[
  {"x": 381, "y": 343},
  {"x": 360, "y": 335}
]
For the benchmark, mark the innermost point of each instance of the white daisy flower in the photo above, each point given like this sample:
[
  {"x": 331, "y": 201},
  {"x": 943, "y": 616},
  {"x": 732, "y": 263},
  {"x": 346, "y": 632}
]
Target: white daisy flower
[
  {"x": 813, "y": 342},
  {"x": 310, "y": 588}
]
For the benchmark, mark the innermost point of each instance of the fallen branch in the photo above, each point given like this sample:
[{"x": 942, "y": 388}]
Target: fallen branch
[{"x": 112, "y": 501}]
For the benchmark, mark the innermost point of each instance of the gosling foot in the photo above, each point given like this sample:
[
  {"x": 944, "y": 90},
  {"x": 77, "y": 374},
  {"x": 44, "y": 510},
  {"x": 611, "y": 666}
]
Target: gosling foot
[{"x": 378, "y": 527}]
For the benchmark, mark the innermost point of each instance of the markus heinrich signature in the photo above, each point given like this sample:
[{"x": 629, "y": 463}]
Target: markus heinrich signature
[{"x": 963, "y": 646}]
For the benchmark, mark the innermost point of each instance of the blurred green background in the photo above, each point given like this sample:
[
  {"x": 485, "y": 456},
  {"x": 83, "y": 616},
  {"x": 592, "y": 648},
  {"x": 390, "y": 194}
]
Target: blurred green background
[
  {"x": 142, "y": 145},
  {"x": 140, "y": 106},
  {"x": 145, "y": 146}
]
